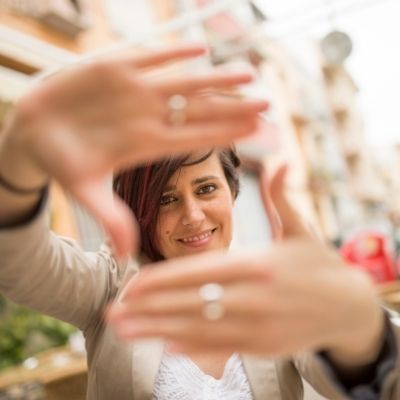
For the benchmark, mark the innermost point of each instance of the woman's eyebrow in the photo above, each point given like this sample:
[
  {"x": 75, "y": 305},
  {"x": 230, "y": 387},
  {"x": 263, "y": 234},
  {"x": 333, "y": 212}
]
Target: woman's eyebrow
[
  {"x": 204, "y": 179},
  {"x": 197, "y": 181}
]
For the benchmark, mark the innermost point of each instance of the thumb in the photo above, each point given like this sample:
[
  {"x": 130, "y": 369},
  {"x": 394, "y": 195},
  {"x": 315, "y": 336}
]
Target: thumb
[
  {"x": 291, "y": 222},
  {"x": 111, "y": 212}
]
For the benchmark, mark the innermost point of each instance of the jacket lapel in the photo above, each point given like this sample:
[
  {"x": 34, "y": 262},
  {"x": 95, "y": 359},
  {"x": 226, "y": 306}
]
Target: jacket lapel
[
  {"x": 262, "y": 375},
  {"x": 146, "y": 359},
  {"x": 146, "y": 355}
]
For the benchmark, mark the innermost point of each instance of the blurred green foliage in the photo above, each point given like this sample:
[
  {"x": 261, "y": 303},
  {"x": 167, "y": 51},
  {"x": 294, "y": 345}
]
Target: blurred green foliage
[{"x": 24, "y": 332}]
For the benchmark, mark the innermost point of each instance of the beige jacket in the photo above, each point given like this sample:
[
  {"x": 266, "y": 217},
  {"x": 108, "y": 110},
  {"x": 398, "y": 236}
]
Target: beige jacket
[{"x": 53, "y": 275}]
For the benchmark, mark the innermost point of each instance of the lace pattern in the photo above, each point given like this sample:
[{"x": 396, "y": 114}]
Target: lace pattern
[{"x": 179, "y": 378}]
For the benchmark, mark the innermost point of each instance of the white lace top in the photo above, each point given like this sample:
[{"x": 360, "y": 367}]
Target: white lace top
[{"x": 179, "y": 378}]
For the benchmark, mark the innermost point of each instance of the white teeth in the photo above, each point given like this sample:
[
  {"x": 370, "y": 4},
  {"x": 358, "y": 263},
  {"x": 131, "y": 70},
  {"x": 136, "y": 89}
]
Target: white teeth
[{"x": 197, "y": 238}]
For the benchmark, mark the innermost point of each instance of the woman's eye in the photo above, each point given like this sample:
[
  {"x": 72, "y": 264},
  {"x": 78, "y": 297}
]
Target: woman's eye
[
  {"x": 167, "y": 199},
  {"x": 207, "y": 189}
]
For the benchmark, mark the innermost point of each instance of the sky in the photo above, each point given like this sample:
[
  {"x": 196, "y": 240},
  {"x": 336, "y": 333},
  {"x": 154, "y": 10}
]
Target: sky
[{"x": 375, "y": 61}]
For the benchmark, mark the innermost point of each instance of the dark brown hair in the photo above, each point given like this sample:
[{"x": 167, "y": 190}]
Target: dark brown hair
[{"x": 141, "y": 188}]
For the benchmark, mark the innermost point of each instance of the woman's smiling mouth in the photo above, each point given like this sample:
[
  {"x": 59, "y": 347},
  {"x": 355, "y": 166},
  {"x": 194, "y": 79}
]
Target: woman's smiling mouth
[{"x": 198, "y": 240}]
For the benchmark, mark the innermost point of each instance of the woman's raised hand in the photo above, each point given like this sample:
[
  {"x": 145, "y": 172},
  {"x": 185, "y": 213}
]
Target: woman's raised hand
[{"x": 80, "y": 125}]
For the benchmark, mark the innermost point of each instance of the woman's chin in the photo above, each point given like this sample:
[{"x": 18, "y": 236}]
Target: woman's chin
[{"x": 193, "y": 250}]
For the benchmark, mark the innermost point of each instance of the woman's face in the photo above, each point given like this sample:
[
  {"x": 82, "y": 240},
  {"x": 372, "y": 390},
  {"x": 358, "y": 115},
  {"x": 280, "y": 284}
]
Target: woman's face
[{"x": 195, "y": 211}]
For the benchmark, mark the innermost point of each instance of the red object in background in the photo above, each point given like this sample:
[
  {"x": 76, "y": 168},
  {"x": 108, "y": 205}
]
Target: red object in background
[{"x": 370, "y": 251}]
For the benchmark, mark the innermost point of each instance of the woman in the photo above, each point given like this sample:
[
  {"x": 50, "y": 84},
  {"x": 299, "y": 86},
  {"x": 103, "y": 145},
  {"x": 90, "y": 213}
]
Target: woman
[{"x": 55, "y": 276}]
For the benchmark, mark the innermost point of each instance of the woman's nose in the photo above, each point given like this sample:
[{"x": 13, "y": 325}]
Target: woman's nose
[{"x": 193, "y": 214}]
